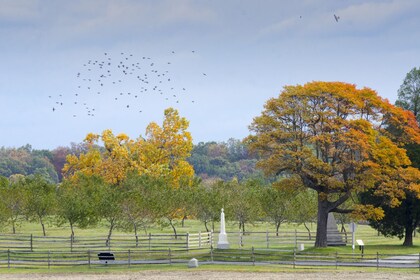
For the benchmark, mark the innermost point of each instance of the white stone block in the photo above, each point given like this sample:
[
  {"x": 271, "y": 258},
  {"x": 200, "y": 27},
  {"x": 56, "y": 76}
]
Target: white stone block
[
  {"x": 193, "y": 263},
  {"x": 301, "y": 247}
]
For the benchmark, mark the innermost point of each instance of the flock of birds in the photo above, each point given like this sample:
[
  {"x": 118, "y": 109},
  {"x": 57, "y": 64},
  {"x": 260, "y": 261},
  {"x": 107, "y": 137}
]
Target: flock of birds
[
  {"x": 125, "y": 79},
  {"x": 111, "y": 74}
]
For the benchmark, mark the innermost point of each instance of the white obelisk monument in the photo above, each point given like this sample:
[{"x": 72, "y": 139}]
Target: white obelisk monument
[{"x": 223, "y": 242}]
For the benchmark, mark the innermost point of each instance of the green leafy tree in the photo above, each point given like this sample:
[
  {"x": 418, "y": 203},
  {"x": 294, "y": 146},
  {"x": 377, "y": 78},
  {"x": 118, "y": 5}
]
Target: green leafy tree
[
  {"x": 409, "y": 93},
  {"x": 78, "y": 202},
  {"x": 12, "y": 193},
  {"x": 275, "y": 203},
  {"x": 243, "y": 202},
  {"x": 399, "y": 221},
  {"x": 167, "y": 203},
  {"x": 136, "y": 204},
  {"x": 210, "y": 198},
  {"x": 4, "y": 211},
  {"x": 40, "y": 199},
  {"x": 110, "y": 207},
  {"x": 303, "y": 206}
]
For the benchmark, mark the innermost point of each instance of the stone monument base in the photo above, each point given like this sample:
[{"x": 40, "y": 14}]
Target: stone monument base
[
  {"x": 222, "y": 245},
  {"x": 223, "y": 242},
  {"x": 334, "y": 238}
]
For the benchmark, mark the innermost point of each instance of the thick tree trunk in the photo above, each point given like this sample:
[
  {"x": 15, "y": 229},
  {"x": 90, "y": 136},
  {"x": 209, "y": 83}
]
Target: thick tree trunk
[
  {"x": 321, "y": 227},
  {"x": 409, "y": 227},
  {"x": 408, "y": 238},
  {"x": 205, "y": 224}
]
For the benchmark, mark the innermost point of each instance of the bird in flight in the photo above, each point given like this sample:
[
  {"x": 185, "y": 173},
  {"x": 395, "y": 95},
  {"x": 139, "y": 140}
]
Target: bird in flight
[{"x": 336, "y": 17}]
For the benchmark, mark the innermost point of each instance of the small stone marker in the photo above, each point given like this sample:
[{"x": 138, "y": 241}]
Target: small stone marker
[
  {"x": 301, "y": 247},
  {"x": 193, "y": 263}
]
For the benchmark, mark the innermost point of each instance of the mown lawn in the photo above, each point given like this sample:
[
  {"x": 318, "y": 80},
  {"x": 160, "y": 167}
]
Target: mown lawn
[{"x": 373, "y": 242}]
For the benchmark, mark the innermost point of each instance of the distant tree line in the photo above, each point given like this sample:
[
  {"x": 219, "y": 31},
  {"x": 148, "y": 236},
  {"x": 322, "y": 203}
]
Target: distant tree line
[{"x": 211, "y": 161}]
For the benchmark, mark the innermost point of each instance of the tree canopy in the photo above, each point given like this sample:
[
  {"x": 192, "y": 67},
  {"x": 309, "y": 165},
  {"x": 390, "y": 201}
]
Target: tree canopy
[
  {"x": 409, "y": 93},
  {"x": 161, "y": 153},
  {"x": 333, "y": 137}
]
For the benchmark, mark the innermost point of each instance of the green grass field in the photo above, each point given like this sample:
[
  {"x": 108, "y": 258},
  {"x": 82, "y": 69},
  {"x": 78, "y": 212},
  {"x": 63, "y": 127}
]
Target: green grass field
[{"x": 373, "y": 242}]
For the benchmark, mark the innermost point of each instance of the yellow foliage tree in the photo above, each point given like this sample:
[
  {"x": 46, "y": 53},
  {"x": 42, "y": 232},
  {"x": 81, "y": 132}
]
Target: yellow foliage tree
[{"x": 161, "y": 153}]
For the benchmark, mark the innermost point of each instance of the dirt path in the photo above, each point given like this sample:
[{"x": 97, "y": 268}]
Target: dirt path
[{"x": 201, "y": 275}]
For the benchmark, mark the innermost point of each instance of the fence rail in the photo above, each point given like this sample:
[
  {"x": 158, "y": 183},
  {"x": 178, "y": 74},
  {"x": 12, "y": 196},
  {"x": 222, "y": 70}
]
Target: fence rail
[
  {"x": 289, "y": 258},
  {"x": 118, "y": 242},
  {"x": 287, "y": 240}
]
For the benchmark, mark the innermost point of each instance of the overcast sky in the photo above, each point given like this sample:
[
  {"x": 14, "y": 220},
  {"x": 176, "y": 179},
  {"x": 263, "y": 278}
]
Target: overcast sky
[{"x": 222, "y": 60}]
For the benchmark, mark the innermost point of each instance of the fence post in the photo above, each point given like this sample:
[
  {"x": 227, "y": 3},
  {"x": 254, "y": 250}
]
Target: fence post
[
  {"x": 137, "y": 240},
  {"x": 294, "y": 258},
  {"x": 8, "y": 258},
  {"x": 88, "y": 257},
  {"x": 188, "y": 241},
  {"x": 240, "y": 240},
  {"x": 71, "y": 243},
  {"x": 253, "y": 256},
  {"x": 170, "y": 258},
  {"x": 336, "y": 260},
  {"x": 377, "y": 260},
  {"x": 199, "y": 239},
  {"x": 150, "y": 241},
  {"x": 129, "y": 258},
  {"x": 296, "y": 239},
  {"x": 211, "y": 254},
  {"x": 32, "y": 244},
  {"x": 211, "y": 238},
  {"x": 48, "y": 259},
  {"x": 266, "y": 238}
]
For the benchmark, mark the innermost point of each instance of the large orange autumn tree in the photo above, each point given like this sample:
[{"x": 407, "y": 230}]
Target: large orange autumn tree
[
  {"x": 161, "y": 153},
  {"x": 332, "y": 136}
]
